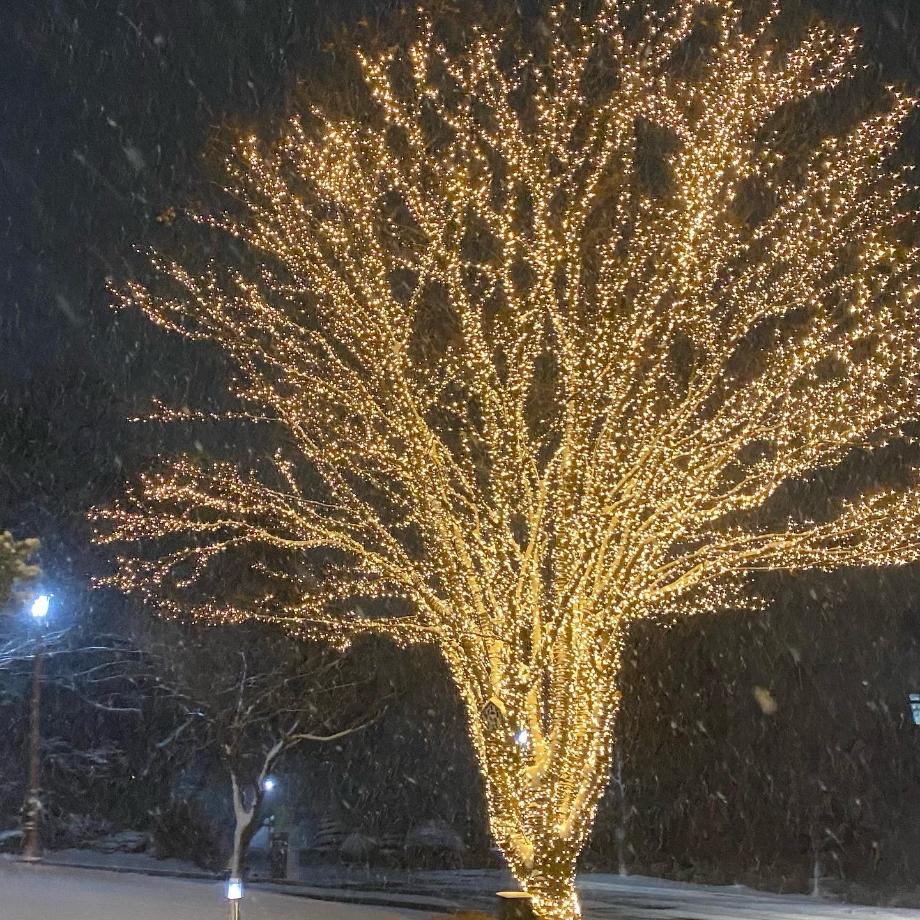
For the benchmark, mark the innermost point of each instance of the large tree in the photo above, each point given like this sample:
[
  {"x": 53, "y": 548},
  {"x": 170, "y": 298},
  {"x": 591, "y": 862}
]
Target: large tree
[{"x": 558, "y": 322}]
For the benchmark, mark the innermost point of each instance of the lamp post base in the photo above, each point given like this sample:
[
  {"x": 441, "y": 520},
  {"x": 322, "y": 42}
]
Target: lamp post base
[{"x": 31, "y": 845}]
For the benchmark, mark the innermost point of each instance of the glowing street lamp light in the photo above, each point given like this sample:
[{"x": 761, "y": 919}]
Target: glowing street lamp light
[
  {"x": 269, "y": 783},
  {"x": 40, "y": 607},
  {"x": 31, "y": 843}
]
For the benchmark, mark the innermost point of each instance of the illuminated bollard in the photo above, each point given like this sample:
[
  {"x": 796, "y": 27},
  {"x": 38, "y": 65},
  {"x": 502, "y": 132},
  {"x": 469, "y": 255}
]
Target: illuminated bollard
[{"x": 234, "y": 896}]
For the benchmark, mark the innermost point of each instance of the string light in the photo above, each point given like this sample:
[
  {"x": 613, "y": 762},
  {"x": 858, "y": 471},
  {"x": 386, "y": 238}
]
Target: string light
[{"x": 623, "y": 377}]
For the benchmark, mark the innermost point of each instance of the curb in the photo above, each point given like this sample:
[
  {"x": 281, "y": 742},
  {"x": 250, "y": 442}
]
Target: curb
[
  {"x": 287, "y": 887},
  {"x": 432, "y": 905},
  {"x": 132, "y": 870}
]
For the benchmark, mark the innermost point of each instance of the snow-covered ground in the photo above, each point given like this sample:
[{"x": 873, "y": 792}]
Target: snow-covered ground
[
  {"x": 641, "y": 897},
  {"x": 56, "y": 893},
  {"x": 48, "y": 892}
]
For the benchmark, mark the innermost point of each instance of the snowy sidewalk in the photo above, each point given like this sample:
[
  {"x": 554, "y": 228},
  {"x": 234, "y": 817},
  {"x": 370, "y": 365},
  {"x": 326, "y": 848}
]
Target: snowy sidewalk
[
  {"x": 614, "y": 897},
  {"x": 639, "y": 897},
  {"x": 55, "y": 893}
]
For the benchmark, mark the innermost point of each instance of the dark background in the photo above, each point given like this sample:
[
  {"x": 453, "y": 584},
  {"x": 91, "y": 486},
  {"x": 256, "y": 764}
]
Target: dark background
[{"x": 106, "y": 110}]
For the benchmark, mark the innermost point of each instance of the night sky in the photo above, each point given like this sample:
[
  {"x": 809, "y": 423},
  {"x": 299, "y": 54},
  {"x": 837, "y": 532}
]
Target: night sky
[{"x": 107, "y": 108}]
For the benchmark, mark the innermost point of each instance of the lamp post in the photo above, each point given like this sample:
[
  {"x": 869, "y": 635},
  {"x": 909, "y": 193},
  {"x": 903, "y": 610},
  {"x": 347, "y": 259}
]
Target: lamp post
[
  {"x": 31, "y": 845},
  {"x": 278, "y": 842}
]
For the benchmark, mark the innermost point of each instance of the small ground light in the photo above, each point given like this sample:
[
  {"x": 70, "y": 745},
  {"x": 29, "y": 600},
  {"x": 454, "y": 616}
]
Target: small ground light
[
  {"x": 40, "y": 606},
  {"x": 914, "y": 700},
  {"x": 235, "y": 896}
]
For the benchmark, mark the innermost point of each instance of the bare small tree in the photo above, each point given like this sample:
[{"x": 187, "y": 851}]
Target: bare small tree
[{"x": 249, "y": 698}]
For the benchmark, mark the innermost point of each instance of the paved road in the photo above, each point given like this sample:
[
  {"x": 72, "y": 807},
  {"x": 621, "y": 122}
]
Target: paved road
[{"x": 56, "y": 893}]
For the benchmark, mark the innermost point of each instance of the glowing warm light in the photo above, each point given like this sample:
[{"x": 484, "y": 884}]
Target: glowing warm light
[
  {"x": 40, "y": 606},
  {"x": 546, "y": 394}
]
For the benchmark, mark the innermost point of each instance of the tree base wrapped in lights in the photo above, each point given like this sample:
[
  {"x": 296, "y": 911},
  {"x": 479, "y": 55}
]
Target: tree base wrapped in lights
[
  {"x": 515, "y": 905},
  {"x": 553, "y": 328}
]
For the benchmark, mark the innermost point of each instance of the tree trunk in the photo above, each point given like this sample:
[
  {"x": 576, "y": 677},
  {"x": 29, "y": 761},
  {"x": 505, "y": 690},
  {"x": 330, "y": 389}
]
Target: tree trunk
[
  {"x": 246, "y": 814},
  {"x": 241, "y": 836},
  {"x": 243, "y": 828},
  {"x": 545, "y": 755},
  {"x": 560, "y": 904},
  {"x": 552, "y": 886},
  {"x": 541, "y": 814},
  {"x": 547, "y": 872}
]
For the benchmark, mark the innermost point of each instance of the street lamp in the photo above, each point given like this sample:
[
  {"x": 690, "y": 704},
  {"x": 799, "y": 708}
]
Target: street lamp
[
  {"x": 31, "y": 845},
  {"x": 40, "y": 607}
]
